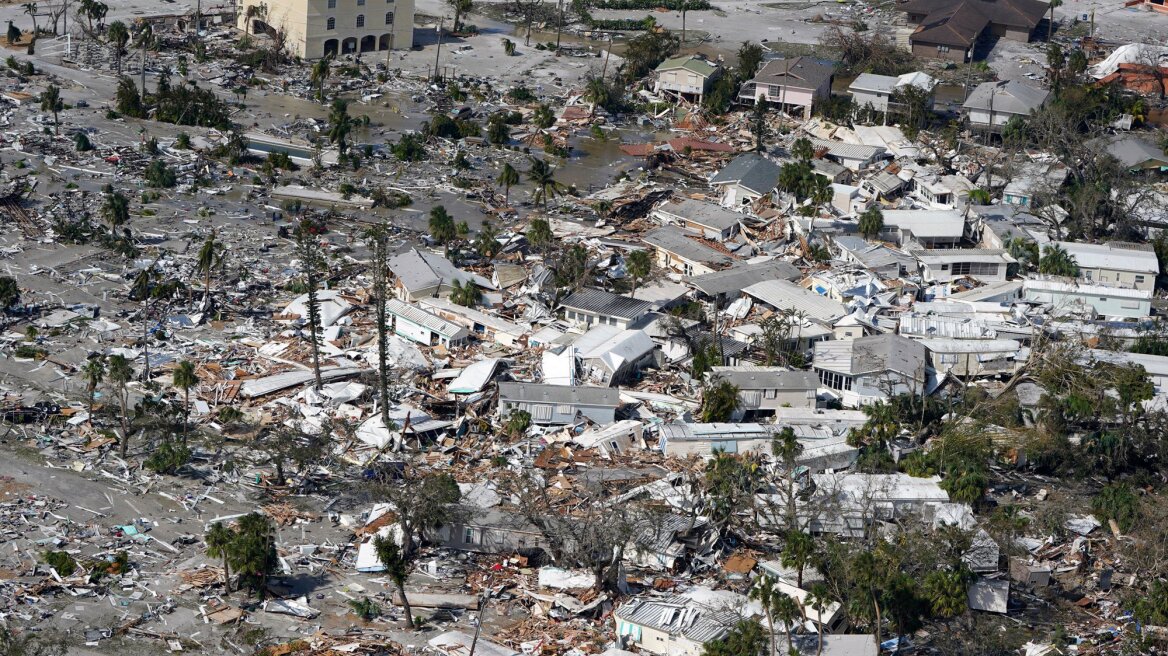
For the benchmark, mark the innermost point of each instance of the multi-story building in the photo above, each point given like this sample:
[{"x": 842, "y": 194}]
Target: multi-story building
[{"x": 318, "y": 28}]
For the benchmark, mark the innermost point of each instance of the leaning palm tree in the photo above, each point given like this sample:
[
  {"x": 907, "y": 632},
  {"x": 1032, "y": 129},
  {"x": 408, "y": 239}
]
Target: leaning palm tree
[
  {"x": 51, "y": 102},
  {"x": 340, "y": 125},
  {"x": 119, "y": 36},
  {"x": 220, "y": 540},
  {"x": 30, "y": 8},
  {"x": 120, "y": 374},
  {"x": 185, "y": 378},
  {"x": 543, "y": 175},
  {"x": 508, "y": 177}
]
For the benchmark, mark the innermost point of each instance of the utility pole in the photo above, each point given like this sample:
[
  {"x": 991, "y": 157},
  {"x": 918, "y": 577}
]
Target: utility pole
[
  {"x": 607, "y": 53},
  {"x": 439, "y": 52},
  {"x": 389, "y": 52},
  {"x": 559, "y": 26}
]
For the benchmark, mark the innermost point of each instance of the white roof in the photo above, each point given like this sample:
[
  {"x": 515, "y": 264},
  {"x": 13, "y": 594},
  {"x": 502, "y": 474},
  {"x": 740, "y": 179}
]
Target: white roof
[
  {"x": 497, "y": 324},
  {"x": 423, "y": 318},
  {"x": 927, "y": 223},
  {"x": 474, "y": 377},
  {"x": 1110, "y": 255},
  {"x": 950, "y": 255},
  {"x": 789, "y": 296},
  {"x": 614, "y": 350},
  {"x": 950, "y": 345},
  {"x": 332, "y": 307},
  {"x": 1070, "y": 286}
]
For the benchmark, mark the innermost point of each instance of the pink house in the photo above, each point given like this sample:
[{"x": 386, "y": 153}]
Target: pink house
[{"x": 790, "y": 83}]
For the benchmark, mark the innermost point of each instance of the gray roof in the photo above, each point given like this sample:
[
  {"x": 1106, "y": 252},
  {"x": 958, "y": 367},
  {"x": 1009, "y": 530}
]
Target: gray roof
[
  {"x": 566, "y": 394},
  {"x": 848, "y": 150},
  {"x": 598, "y": 301},
  {"x": 1132, "y": 151},
  {"x": 741, "y": 276},
  {"x": 931, "y": 256},
  {"x": 684, "y": 244},
  {"x": 706, "y": 214},
  {"x": 752, "y": 171},
  {"x": 873, "y": 82},
  {"x": 758, "y": 378},
  {"x": 1007, "y": 97},
  {"x": 874, "y": 354},
  {"x": 847, "y": 644},
  {"x": 784, "y": 295},
  {"x": 1114, "y": 256},
  {"x": 421, "y": 270},
  {"x": 799, "y": 72}
]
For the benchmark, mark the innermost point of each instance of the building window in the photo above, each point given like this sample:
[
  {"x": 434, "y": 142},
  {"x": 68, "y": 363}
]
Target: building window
[
  {"x": 332, "y": 23},
  {"x": 470, "y": 536},
  {"x": 360, "y": 20},
  {"x": 1139, "y": 280},
  {"x": 332, "y": 4},
  {"x": 360, "y": 3},
  {"x": 941, "y": 48},
  {"x": 975, "y": 269},
  {"x": 389, "y": 18}
]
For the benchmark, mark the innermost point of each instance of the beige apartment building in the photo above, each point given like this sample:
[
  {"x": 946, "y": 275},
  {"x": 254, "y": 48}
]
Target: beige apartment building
[{"x": 316, "y": 28}]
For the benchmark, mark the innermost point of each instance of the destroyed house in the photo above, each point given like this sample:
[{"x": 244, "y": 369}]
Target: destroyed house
[
  {"x": 559, "y": 404},
  {"x": 422, "y": 327},
  {"x": 847, "y": 504},
  {"x": 666, "y": 543},
  {"x": 609, "y": 355},
  {"x": 823, "y": 446},
  {"x": 420, "y": 274},
  {"x": 729, "y": 283},
  {"x": 491, "y": 530},
  {"x": 973, "y": 357},
  {"x": 784, "y": 295},
  {"x": 671, "y": 626},
  {"x": 762, "y": 390},
  {"x": 870, "y": 369},
  {"x": 591, "y": 305},
  {"x": 1067, "y": 296},
  {"x": 485, "y": 326},
  {"x": 878, "y": 90},
  {"x": 746, "y": 179},
  {"x": 686, "y": 252},
  {"x": 710, "y": 220}
]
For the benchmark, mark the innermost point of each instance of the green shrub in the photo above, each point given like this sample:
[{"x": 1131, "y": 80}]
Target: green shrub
[
  {"x": 168, "y": 458},
  {"x": 60, "y": 561}
]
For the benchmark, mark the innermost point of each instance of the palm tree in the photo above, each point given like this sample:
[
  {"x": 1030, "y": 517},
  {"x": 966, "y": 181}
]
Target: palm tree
[
  {"x": 253, "y": 552},
  {"x": 638, "y": 264},
  {"x": 1056, "y": 261},
  {"x": 119, "y": 36},
  {"x": 765, "y": 594},
  {"x": 539, "y": 233},
  {"x": 596, "y": 92},
  {"x": 145, "y": 38},
  {"x": 115, "y": 210},
  {"x": 120, "y": 374},
  {"x": 340, "y": 124},
  {"x": 311, "y": 264},
  {"x": 185, "y": 378},
  {"x": 543, "y": 175},
  {"x": 466, "y": 295},
  {"x": 209, "y": 261},
  {"x": 818, "y": 597},
  {"x": 442, "y": 227},
  {"x": 320, "y": 72},
  {"x": 798, "y": 551},
  {"x": 94, "y": 373},
  {"x": 397, "y": 567},
  {"x": 51, "y": 102},
  {"x": 946, "y": 592},
  {"x": 871, "y": 222},
  {"x": 1050, "y": 23},
  {"x": 543, "y": 118},
  {"x": 220, "y": 540},
  {"x": 508, "y": 177},
  {"x": 787, "y": 611},
  {"x": 865, "y": 571}
]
